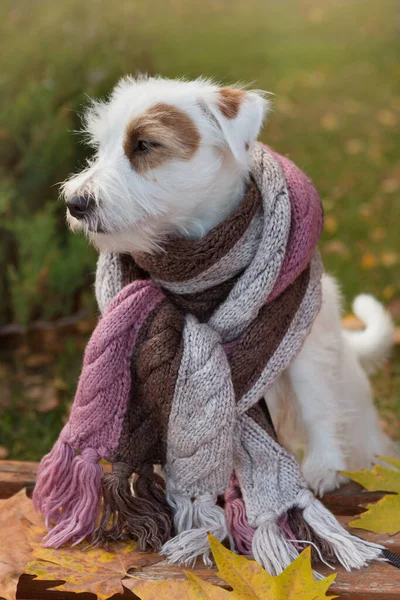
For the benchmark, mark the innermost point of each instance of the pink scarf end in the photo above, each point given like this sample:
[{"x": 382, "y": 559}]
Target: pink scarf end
[{"x": 68, "y": 493}]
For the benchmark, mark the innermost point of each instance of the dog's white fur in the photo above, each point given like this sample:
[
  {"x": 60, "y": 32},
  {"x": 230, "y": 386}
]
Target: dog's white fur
[{"x": 323, "y": 404}]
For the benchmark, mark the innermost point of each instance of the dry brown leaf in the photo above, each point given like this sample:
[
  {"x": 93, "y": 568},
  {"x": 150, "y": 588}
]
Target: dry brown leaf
[
  {"x": 49, "y": 399},
  {"x": 336, "y": 247},
  {"x": 350, "y": 321},
  {"x": 38, "y": 360},
  {"x": 14, "y": 556},
  {"x": 390, "y": 185},
  {"x": 329, "y": 121},
  {"x": 330, "y": 224},
  {"x": 387, "y": 117},
  {"x": 390, "y": 258},
  {"x": 106, "y": 572},
  {"x": 369, "y": 261},
  {"x": 96, "y": 570},
  {"x": 353, "y": 146},
  {"x": 394, "y": 308},
  {"x": 378, "y": 234}
]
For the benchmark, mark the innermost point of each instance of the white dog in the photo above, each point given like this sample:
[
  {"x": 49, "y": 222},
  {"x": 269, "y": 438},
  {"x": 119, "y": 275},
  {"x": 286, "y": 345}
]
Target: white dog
[{"x": 173, "y": 157}]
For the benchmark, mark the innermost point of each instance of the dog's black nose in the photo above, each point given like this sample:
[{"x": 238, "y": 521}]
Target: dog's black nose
[{"x": 79, "y": 206}]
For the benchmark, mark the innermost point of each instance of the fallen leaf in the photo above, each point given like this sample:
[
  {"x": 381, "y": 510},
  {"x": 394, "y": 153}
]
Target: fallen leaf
[
  {"x": 336, "y": 247},
  {"x": 394, "y": 308},
  {"x": 353, "y": 146},
  {"x": 84, "y": 569},
  {"x": 192, "y": 589},
  {"x": 384, "y": 515},
  {"x": 330, "y": 224},
  {"x": 38, "y": 360},
  {"x": 15, "y": 550},
  {"x": 386, "y": 117},
  {"x": 329, "y": 122},
  {"x": 390, "y": 185},
  {"x": 389, "y": 259},
  {"x": 388, "y": 292},
  {"x": 369, "y": 261},
  {"x": 378, "y": 234},
  {"x": 49, "y": 399},
  {"x": 60, "y": 384},
  {"x": 247, "y": 579}
]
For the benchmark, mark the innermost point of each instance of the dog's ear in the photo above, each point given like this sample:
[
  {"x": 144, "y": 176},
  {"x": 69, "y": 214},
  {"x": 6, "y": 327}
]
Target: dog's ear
[{"x": 238, "y": 115}]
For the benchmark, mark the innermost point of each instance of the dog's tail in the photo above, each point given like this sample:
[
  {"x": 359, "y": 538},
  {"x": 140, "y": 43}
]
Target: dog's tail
[{"x": 374, "y": 343}]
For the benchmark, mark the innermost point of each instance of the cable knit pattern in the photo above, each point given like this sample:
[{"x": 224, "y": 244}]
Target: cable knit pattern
[{"x": 173, "y": 375}]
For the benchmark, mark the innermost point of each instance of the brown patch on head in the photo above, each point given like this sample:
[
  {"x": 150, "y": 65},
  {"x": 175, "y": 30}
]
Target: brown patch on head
[
  {"x": 167, "y": 132},
  {"x": 229, "y": 102}
]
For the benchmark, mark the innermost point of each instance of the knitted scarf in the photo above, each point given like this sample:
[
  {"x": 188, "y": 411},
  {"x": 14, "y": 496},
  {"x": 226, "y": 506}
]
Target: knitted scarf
[{"x": 189, "y": 341}]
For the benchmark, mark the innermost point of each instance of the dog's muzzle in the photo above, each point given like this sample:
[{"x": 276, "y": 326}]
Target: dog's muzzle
[{"x": 80, "y": 206}]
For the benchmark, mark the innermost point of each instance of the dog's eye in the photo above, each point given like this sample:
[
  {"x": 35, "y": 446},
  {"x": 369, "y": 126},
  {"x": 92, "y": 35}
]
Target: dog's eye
[{"x": 144, "y": 146}]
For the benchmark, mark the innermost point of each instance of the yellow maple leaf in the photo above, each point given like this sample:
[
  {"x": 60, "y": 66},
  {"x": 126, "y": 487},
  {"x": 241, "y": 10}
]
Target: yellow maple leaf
[
  {"x": 384, "y": 515},
  {"x": 97, "y": 570},
  {"x": 247, "y": 579}
]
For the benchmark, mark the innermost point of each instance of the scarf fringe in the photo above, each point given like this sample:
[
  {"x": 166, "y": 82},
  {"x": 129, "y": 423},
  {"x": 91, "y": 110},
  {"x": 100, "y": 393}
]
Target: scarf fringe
[
  {"x": 276, "y": 543},
  {"x": 193, "y": 520},
  {"x": 352, "y": 552},
  {"x": 236, "y": 518},
  {"x": 67, "y": 493},
  {"x": 271, "y": 549},
  {"x": 144, "y": 517},
  {"x": 53, "y": 480}
]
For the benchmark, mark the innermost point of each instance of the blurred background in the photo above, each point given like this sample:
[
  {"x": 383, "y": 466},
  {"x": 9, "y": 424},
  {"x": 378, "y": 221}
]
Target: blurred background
[{"x": 334, "y": 69}]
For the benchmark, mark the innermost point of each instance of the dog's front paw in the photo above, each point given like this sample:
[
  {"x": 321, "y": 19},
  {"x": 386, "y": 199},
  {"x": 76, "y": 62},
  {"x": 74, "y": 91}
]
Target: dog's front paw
[{"x": 323, "y": 475}]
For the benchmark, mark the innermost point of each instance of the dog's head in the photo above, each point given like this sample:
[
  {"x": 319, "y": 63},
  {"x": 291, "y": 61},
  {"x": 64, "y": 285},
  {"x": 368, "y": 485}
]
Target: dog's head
[{"x": 171, "y": 156}]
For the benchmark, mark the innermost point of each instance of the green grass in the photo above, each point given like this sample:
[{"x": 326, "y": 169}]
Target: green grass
[{"x": 334, "y": 70}]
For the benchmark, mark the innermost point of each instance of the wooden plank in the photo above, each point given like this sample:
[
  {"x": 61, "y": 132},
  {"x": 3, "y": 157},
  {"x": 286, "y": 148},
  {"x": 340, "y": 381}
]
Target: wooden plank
[
  {"x": 16, "y": 475},
  {"x": 377, "y": 582}
]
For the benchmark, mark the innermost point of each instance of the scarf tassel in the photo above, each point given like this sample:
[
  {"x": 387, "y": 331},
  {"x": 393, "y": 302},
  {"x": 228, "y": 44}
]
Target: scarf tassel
[
  {"x": 144, "y": 516},
  {"x": 67, "y": 493},
  {"x": 193, "y": 520},
  {"x": 275, "y": 543},
  {"x": 236, "y": 519},
  {"x": 352, "y": 552}
]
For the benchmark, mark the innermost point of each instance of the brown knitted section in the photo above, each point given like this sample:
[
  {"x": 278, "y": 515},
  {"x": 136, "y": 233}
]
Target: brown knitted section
[
  {"x": 146, "y": 516},
  {"x": 184, "y": 259},
  {"x": 155, "y": 365},
  {"x": 155, "y": 373},
  {"x": 254, "y": 349},
  {"x": 130, "y": 270},
  {"x": 258, "y": 414},
  {"x": 203, "y": 304}
]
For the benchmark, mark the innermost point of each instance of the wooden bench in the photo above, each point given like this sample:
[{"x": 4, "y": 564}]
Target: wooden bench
[{"x": 377, "y": 582}]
